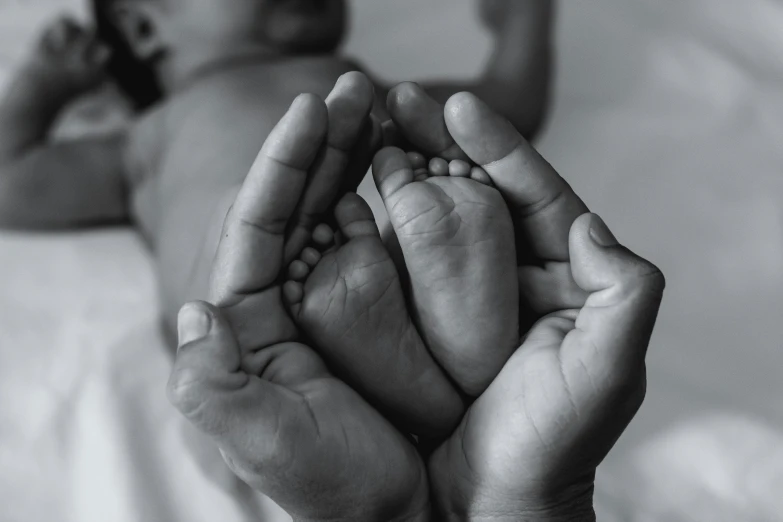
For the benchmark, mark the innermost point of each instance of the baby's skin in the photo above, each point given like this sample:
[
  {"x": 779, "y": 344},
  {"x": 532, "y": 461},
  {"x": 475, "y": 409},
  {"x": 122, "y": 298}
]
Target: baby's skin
[
  {"x": 177, "y": 168},
  {"x": 457, "y": 240},
  {"x": 345, "y": 295},
  {"x": 458, "y": 244},
  {"x": 213, "y": 132}
]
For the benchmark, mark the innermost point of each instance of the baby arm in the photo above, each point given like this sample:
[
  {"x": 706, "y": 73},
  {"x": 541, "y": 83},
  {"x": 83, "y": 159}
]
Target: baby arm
[
  {"x": 516, "y": 82},
  {"x": 64, "y": 184}
]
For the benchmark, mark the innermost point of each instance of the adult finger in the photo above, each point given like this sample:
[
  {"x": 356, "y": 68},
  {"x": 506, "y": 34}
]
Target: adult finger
[
  {"x": 370, "y": 142},
  {"x": 348, "y": 107},
  {"x": 543, "y": 205},
  {"x": 250, "y": 255},
  {"x": 418, "y": 120},
  {"x": 625, "y": 292}
]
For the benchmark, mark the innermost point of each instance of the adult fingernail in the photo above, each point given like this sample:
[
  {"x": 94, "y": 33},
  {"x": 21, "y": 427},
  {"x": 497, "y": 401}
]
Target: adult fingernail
[
  {"x": 600, "y": 233},
  {"x": 193, "y": 324}
]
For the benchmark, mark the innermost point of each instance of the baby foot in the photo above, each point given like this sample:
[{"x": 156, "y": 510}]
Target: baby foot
[
  {"x": 457, "y": 238},
  {"x": 349, "y": 301},
  {"x": 68, "y": 58}
]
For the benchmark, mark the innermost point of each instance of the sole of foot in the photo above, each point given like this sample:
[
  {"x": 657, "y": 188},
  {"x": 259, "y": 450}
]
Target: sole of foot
[
  {"x": 344, "y": 292},
  {"x": 457, "y": 238}
]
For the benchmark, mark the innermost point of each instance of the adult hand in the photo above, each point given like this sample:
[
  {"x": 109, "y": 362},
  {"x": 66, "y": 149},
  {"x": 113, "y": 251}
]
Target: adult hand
[
  {"x": 530, "y": 445},
  {"x": 283, "y": 423}
]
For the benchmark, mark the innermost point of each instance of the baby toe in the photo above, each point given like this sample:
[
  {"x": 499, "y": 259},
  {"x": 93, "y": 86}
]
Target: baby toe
[
  {"x": 293, "y": 294},
  {"x": 298, "y": 270},
  {"x": 418, "y": 161},
  {"x": 391, "y": 170},
  {"x": 323, "y": 237},
  {"x": 311, "y": 256},
  {"x": 355, "y": 217},
  {"x": 439, "y": 167},
  {"x": 459, "y": 169},
  {"x": 480, "y": 175}
]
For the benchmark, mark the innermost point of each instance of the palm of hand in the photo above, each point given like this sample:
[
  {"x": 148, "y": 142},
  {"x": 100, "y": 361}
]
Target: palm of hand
[
  {"x": 544, "y": 411},
  {"x": 284, "y": 424},
  {"x": 325, "y": 432},
  {"x": 325, "y": 435}
]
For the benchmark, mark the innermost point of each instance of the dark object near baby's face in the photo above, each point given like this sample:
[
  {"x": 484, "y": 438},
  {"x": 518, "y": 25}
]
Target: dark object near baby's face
[
  {"x": 135, "y": 78},
  {"x": 290, "y": 26}
]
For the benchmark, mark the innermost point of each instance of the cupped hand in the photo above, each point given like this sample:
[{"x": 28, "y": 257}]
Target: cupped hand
[
  {"x": 530, "y": 445},
  {"x": 242, "y": 375}
]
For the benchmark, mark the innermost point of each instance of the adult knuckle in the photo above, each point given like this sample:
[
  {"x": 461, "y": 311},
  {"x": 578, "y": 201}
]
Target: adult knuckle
[
  {"x": 645, "y": 277},
  {"x": 185, "y": 390},
  {"x": 179, "y": 389}
]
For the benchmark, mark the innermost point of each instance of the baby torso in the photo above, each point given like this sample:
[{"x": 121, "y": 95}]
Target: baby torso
[{"x": 188, "y": 157}]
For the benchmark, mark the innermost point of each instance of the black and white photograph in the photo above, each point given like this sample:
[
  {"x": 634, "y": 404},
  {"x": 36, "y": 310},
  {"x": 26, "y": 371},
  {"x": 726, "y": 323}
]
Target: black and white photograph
[{"x": 391, "y": 261}]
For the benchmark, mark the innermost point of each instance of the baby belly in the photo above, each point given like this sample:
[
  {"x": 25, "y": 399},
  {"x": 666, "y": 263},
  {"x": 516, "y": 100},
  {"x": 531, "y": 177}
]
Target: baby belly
[{"x": 185, "y": 245}]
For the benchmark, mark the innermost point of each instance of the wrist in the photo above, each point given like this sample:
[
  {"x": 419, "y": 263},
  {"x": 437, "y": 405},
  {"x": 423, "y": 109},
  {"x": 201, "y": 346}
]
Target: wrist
[
  {"x": 575, "y": 506},
  {"x": 576, "y": 513},
  {"x": 34, "y": 83},
  {"x": 420, "y": 515}
]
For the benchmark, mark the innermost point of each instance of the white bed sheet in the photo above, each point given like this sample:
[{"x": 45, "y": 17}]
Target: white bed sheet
[{"x": 668, "y": 119}]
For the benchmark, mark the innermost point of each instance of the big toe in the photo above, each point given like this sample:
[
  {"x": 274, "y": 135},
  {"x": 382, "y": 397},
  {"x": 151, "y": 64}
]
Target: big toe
[
  {"x": 355, "y": 218},
  {"x": 392, "y": 170}
]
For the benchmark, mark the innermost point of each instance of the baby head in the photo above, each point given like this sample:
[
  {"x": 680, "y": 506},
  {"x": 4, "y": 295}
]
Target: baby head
[{"x": 151, "y": 34}]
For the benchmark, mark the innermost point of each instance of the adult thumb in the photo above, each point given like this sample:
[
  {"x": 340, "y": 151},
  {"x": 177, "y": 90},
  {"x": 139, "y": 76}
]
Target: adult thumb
[
  {"x": 210, "y": 388},
  {"x": 624, "y": 295}
]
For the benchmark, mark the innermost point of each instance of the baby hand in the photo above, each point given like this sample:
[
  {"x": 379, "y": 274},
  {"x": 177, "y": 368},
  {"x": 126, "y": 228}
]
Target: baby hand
[{"x": 69, "y": 58}]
